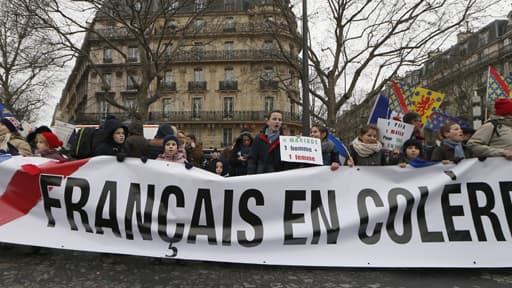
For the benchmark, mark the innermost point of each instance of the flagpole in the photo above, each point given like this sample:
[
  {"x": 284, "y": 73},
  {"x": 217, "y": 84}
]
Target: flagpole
[{"x": 486, "y": 94}]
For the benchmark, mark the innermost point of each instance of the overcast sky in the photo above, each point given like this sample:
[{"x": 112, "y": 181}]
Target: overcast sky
[{"x": 316, "y": 28}]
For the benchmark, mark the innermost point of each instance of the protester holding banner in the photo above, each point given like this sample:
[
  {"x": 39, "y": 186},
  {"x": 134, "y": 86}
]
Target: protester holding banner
[
  {"x": 494, "y": 138},
  {"x": 330, "y": 154},
  {"x": 10, "y": 140},
  {"x": 171, "y": 151},
  {"x": 451, "y": 148},
  {"x": 155, "y": 145},
  {"x": 366, "y": 150},
  {"x": 114, "y": 141},
  {"x": 241, "y": 149},
  {"x": 411, "y": 151},
  {"x": 48, "y": 145},
  {"x": 265, "y": 155}
]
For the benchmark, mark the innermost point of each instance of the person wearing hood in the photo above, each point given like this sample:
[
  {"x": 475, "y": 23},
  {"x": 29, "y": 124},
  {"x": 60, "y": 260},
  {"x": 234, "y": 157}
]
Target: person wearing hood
[
  {"x": 494, "y": 137},
  {"x": 115, "y": 137},
  {"x": 240, "y": 152},
  {"x": 265, "y": 154},
  {"x": 10, "y": 140}
]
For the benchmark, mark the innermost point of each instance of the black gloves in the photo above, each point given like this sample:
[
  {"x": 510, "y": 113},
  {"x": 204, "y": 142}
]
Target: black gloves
[
  {"x": 144, "y": 159},
  {"x": 188, "y": 165},
  {"x": 120, "y": 156}
]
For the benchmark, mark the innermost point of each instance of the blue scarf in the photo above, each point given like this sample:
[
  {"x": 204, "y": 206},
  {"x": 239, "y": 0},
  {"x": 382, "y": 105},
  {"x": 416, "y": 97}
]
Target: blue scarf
[
  {"x": 457, "y": 147},
  {"x": 272, "y": 136}
]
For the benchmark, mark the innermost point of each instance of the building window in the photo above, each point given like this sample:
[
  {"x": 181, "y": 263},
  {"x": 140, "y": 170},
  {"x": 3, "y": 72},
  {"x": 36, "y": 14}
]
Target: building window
[
  {"x": 107, "y": 55},
  {"x": 268, "y": 74},
  {"x": 198, "y": 49},
  {"x": 267, "y": 47},
  {"x": 198, "y": 75},
  {"x": 200, "y": 5},
  {"x": 168, "y": 77},
  {"x": 133, "y": 54},
  {"x": 228, "y": 107},
  {"x": 199, "y": 25},
  {"x": 103, "y": 107},
  {"x": 483, "y": 37},
  {"x": 229, "y": 48},
  {"x": 227, "y": 136},
  {"x": 130, "y": 103},
  {"x": 174, "y": 4},
  {"x": 167, "y": 107},
  {"x": 197, "y": 103},
  {"x": 269, "y": 104},
  {"x": 267, "y": 22},
  {"x": 291, "y": 82},
  {"x": 229, "y": 5},
  {"x": 229, "y": 24},
  {"x": 131, "y": 81},
  {"x": 107, "y": 85},
  {"x": 229, "y": 74}
]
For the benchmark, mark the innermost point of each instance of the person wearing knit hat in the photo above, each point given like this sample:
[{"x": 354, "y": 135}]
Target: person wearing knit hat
[
  {"x": 494, "y": 137},
  {"x": 503, "y": 107},
  {"x": 154, "y": 147},
  {"x": 171, "y": 152},
  {"x": 10, "y": 141},
  {"x": 48, "y": 145}
]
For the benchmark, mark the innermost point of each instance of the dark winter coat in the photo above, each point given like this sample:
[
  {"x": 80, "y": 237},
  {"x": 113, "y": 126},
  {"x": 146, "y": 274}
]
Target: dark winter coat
[
  {"x": 239, "y": 167},
  {"x": 264, "y": 156},
  {"x": 445, "y": 152},
  {"x": 108, "y": 146}
]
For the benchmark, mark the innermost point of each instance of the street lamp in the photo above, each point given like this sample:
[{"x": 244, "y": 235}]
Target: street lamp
[{"x": 305, "y": 71}]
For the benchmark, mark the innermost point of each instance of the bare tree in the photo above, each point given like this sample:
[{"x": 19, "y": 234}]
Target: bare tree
[
  {"x": 364, "y": 44},
  {"x": 28, "y": 60},
  {"x": 149, "y": 26}
]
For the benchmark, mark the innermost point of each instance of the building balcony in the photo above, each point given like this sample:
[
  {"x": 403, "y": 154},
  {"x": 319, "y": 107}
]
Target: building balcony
[
  {"x": 230, "y": 55},
  {"x": 269, "y": 85},
  {"x": 228, "y": 85},
  {"x": 197, "y": 86},
  {"x": 168, "y": 86},
  {"x": 199, "y": 117}
]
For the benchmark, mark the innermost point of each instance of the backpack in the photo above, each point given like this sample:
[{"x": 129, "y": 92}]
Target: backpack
[{"x": 83, "y": 142}]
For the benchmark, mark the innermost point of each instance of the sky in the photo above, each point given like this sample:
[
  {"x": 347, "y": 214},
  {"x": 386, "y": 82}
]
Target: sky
[{"x": 316, "y": 27}]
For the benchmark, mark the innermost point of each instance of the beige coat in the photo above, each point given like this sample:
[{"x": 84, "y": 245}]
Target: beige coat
[
  {"x": 486, "y": 143},
  {"x": 18, "y": 142}
]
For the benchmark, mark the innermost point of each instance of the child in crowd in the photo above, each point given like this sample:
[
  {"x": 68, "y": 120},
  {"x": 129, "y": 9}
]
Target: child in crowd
[
  {"x": 366, "y": 150},
  {"x": 412, "y": 150},
  {"x": 221, "y": 168},
  {"x": 48, "y": 145},
  {"x": 330, "y": 154},
  {"x": 115, "y": 138},
  {"x": 171, "y": 152},
  {"x": 451, "y": 148}
]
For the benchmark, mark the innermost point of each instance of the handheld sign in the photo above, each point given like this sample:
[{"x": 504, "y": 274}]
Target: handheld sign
[
  {"x": 393, "y": 133},
  {"x": 301, "y": 149}
]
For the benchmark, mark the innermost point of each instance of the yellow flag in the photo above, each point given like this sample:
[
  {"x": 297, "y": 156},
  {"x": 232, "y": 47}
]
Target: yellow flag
[{"x": 425, "y": 101}]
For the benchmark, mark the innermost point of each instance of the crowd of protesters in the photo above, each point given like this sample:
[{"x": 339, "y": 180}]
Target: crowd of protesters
[{"x": 255, "y": 154}]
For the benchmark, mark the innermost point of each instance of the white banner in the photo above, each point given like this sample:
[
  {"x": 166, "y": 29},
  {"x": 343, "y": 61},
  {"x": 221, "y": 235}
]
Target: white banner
[
  {"x": 437, "y": 216},
  {"x": 301, "y": 149}
]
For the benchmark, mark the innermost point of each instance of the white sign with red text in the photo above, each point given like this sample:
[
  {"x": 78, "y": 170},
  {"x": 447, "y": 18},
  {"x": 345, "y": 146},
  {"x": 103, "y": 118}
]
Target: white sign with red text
[{"x": 301, "y": 149}]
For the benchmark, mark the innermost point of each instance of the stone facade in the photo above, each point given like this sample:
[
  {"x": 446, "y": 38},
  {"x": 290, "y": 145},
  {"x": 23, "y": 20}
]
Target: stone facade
[{"x": 227, "y": 73}]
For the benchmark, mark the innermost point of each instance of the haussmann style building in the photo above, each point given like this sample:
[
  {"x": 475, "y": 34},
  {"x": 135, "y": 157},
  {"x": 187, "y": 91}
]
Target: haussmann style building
[{"x": 229, "y": 63}]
